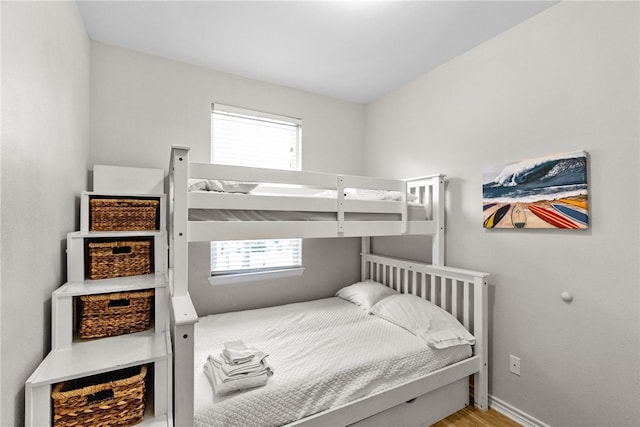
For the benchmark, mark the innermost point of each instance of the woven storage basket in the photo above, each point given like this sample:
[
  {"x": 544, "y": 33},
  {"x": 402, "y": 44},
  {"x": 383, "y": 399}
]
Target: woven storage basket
[
  {"x": 123, "y": 214},
  {"x": 119, "y": 313},
  {"x": 111, "y": 399},
  {"x": 119, "y": 259}
]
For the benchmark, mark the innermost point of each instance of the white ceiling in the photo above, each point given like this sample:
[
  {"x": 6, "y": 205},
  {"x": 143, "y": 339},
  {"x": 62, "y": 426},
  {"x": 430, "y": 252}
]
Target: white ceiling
[{"x": 352, "y": 50}]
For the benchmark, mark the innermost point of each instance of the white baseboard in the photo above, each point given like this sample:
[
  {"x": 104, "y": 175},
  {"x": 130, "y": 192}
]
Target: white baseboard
[{"x": 515, "y": 414}]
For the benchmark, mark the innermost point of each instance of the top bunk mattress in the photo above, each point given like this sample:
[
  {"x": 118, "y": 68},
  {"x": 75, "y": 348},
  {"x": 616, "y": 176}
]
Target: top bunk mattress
[
  {"x": 414, "y": 213},
  {"x": 324, "y": 353}
]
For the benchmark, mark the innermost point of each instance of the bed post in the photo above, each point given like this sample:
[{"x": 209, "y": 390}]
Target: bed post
[
  {"x": 183, "y": 313},
  {"x": 481, "y": 333},
  {"x": 179, "y": 178},
  {"x": 366, "y": 249},
  {"x": 437, "y": 210}
]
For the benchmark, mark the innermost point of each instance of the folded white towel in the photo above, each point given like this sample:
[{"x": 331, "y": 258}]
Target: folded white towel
[
  {"x": 221, "y": 387},
  {"x": 263, "y": 368},
  {"x": 237, "y": 367},
  {"x": 236, "y": 352},
  {"x": 257, "y": 363}
]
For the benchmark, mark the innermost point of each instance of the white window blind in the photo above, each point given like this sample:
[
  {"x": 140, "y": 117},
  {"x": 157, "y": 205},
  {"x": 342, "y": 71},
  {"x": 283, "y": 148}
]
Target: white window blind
[
  {"x": 248, "y": 138},
  {"x": 245, "y": 138},
  {"x": 240, "y": 256}
]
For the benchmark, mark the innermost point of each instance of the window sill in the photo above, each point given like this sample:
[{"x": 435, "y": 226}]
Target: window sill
[{"x": 228, "y": 279}]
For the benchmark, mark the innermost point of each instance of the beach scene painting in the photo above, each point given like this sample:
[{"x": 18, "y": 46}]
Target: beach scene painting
[{"x": 543, "y": 192}]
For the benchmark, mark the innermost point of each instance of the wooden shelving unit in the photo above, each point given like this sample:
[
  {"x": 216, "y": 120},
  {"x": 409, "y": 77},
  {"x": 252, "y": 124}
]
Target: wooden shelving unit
[{"x": 72, "y": 357}]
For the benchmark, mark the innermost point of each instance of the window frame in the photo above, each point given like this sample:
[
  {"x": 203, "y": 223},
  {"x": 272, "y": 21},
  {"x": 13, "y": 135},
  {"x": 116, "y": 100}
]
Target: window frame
[{"x": 267, "y": 273}]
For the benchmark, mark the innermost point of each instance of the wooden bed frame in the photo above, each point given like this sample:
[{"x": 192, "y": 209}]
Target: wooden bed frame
[{"x": 462, "y": 293}]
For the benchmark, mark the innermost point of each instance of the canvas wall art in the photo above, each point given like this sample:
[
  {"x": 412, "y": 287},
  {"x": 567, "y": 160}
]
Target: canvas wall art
[{"x": 543, "y": 192}]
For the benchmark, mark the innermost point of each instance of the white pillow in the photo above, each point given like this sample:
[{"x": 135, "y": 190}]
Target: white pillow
[
  {"x": 221, "y": 186},
  {"x": 197, "y": 184},
  {"x": 365, "y": 294},
  {"x": 236, "y": 186},
  {"x": 365, "y": 194},
  {"x": 427, "y": 321},
  {"x": 397, "y": 196}
]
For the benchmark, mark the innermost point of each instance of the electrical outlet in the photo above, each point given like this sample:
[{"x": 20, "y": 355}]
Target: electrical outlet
[{"x": 514, "y": 365}]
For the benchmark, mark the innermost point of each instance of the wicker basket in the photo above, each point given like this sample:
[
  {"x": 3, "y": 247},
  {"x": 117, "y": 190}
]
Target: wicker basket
[
  {"x": 123, "y": 214},
  {"x": 119, "y": 313},
  {"x": 119, "y": 259},
  {"x": 111, "y": 399}
]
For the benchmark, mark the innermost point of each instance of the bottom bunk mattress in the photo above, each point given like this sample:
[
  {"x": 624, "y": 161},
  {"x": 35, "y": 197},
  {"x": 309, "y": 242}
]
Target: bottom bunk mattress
[{"x": 324, "y": 353}]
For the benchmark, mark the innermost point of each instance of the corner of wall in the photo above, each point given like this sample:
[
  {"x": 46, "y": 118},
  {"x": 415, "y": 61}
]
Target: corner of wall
[
  {"x": 48, "y": 163},
  {"x": 1, "y": 135}
]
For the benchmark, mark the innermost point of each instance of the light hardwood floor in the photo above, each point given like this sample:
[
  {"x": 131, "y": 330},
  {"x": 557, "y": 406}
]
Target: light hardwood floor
[{"x": 474, "y": 417}]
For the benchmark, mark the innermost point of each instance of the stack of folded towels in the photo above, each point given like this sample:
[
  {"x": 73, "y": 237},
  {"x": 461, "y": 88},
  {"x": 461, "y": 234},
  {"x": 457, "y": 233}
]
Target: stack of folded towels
[{"x": 237, "y": 367}]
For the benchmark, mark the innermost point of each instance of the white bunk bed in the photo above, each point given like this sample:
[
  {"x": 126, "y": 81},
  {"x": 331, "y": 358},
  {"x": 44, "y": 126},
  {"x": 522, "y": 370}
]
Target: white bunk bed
[{"x": 460, "y": 292}]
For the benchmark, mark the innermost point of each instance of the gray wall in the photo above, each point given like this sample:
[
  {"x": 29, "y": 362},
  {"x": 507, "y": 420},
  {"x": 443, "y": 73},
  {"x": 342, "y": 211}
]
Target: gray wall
[
  {"x": 45, "y": 133},
  {"x": 565, "y": 80},
  {"x": 142, "y": 104}
]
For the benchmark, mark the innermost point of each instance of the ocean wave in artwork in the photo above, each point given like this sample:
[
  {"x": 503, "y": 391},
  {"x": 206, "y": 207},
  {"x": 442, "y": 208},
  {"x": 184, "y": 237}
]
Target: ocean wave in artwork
[{"x": 543, "y": 178}]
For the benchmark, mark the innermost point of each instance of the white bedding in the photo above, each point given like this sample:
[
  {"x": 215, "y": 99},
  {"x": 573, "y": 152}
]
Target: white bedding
[
  {"x": 324, "y": 353},
  {"x": 415, "y": 211},
  {"x": 237, "y": 187}
]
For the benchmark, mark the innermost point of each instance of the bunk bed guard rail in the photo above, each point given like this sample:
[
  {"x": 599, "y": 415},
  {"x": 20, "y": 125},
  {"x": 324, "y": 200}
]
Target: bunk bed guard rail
[{"x": 428, "y": 190}]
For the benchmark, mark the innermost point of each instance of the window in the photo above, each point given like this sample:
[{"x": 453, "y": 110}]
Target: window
[{"x": 249, "y": 138}]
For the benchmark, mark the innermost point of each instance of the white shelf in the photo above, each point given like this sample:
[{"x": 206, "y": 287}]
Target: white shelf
[
  {"x": 72, "y": 357},
  {"x": 118, "y": 284},
  {"x": 63, "y": 307},
  {"x": 102, "y": 355},
  {"x": 118, "y": 234},
  {"x": 116, "y": 194},
  {"x": 105, "y": 355}
]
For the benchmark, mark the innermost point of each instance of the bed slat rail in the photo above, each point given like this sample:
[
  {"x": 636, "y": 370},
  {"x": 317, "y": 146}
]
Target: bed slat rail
[
  {"x": 439, "y": 285},
  {"x": 463, "y": 293},
  {"x": 262, "y": 175},
  {"x": 206, "y": 231},
  {"x": 203, "y": 200},
  {"x": 291, "y": 177}
]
